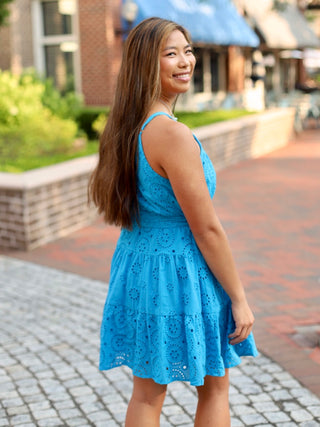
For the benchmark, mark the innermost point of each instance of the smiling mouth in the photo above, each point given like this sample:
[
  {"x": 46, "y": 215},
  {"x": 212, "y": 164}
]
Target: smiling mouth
[{"x": 182, "y": 76}]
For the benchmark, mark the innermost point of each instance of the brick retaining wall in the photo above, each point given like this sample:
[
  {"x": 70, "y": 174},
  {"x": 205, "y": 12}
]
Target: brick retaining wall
[
  {"x": 42, "y": 205},
  {"x": 248, "y": 137}
]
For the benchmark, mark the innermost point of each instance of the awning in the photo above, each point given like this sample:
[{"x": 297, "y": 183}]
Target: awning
[
  {"x": 211, "y": 21},
  {"x": 284, "y": 28}
]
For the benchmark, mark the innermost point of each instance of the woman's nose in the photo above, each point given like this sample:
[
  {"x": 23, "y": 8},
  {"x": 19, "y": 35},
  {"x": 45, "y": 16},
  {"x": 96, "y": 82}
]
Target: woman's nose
[{"x": 183, "y": 60}]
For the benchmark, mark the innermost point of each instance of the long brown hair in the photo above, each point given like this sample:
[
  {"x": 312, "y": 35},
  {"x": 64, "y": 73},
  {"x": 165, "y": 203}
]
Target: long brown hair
[{"x": 112, "y": 186}]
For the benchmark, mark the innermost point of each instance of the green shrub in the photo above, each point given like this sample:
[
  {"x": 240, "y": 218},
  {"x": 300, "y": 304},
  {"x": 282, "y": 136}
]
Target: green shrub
[
  {"x": 27, "y": 127},
  {"x": 86, "y": 117},
  {"x": 65, "y": 106},
  {"x": 99, "y": 124}
]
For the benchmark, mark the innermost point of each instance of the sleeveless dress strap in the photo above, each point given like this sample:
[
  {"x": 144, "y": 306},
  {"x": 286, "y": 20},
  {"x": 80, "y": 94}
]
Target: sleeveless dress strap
[
  {"x": 162, "y": 113},
  {"x": 159, "y": 113}
]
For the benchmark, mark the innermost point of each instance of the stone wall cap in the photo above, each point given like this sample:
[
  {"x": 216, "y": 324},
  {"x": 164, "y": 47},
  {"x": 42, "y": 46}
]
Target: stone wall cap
[
  {"x": 240, "y": 122},
  {"x": 48, "y": 174}
]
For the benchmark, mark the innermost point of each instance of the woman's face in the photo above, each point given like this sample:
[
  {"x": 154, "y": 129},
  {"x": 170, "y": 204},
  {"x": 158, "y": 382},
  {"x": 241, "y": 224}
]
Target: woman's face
[{"x": 177, "y": 63}]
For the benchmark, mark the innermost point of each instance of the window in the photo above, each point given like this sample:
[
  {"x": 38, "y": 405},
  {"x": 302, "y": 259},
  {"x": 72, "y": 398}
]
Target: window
[
  {"x": 59, "y": 66},
  {"x": 198, "y": 72},
  {"x": 56, "y": 44},
  {"x": 207, "y": 72},
  {"x": 284, "y": 75},
  {"x": 214, "y": 65},
  {"x": 54, "y": 23}
]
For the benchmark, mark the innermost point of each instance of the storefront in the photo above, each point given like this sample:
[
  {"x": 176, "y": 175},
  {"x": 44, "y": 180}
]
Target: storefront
[{"x": 284, "y": 34}]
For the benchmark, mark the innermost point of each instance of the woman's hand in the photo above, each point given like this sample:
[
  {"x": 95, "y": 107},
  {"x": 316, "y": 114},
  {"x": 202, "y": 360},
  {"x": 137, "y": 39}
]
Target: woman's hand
[{"x": 244, "y": 319}]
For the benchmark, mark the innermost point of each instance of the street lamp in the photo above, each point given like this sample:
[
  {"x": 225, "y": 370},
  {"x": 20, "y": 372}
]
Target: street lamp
[{"x": 129, "y": 12}]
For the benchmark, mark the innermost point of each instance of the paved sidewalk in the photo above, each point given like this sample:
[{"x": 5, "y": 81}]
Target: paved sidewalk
[
  {"x": 49, "y": 355},
  {"x": 270, "y": 208}
]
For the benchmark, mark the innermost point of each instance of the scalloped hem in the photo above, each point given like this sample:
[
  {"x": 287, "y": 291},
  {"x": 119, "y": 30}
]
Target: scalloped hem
[{"x": 165, "y": 381}]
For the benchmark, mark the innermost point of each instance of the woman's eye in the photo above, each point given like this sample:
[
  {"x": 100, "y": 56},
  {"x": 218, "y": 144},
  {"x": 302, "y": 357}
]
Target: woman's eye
[
  {"x": 189, "y": 51},
  {"x": 171, "y": 54}
]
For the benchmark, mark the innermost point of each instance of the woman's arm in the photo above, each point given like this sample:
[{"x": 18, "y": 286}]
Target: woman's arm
[{"x": 173, "y": 152}]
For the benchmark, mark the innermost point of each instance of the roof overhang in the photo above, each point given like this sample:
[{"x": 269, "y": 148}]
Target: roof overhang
[
  {"x": 281, "y": 29},
  {"x": 211, "y": 22}
]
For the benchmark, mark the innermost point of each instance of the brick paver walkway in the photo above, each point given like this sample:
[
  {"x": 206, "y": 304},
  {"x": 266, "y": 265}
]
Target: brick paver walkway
[{"x": 270, "y": 209}]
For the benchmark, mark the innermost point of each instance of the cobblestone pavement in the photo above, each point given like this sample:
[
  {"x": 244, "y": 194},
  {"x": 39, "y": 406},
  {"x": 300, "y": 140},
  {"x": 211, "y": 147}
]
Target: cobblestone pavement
[
  {"x": 49, "y": 355},
  {"x": 270, "y": 209}
]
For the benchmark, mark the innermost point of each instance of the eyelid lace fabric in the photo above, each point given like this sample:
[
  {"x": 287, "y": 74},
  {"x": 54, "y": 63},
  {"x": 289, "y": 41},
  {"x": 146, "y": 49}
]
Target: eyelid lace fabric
[{"x": 166, "y": 316}]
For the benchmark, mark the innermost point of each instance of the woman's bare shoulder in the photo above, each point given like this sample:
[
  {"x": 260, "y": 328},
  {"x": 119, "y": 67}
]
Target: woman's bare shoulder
[{"x": 164, "y": 131}]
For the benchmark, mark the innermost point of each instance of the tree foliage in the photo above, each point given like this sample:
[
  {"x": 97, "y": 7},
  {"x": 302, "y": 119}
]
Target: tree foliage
[{"x": 4, "y": 11}]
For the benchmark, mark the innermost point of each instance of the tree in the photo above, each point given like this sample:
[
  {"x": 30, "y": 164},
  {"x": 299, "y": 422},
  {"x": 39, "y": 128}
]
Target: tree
[{"x": 4, "y": 11}]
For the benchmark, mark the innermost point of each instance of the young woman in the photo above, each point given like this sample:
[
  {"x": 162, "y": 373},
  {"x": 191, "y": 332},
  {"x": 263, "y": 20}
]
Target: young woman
[{"x": 176, "y": 308}]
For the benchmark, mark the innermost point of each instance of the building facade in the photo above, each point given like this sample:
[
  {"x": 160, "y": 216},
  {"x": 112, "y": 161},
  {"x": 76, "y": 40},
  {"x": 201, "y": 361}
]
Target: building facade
[
  {"x": 73, "y": 42},
  {"x": 78, "y": 43},
  {"x": 285, "y": 34}
]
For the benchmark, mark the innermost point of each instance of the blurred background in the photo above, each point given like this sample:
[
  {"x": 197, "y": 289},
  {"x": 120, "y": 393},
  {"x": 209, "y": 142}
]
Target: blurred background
[{"x": 250, "y": 54}]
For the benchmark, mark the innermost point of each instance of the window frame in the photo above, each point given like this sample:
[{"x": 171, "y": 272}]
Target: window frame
[
  {"x": 40, "y": 41},
  {"x": 207, "y": 54}
]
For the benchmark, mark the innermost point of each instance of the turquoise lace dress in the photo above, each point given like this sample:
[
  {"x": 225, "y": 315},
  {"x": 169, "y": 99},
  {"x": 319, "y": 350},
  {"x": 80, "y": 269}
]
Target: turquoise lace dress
[{"x": 166, "y": 316}]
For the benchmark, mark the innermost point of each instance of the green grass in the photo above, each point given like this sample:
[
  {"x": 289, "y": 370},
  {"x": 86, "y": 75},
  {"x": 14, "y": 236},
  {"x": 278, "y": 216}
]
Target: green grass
[
  {"x": 191, "y": 119},
  {"x": 202, "y": 118},
  {"x": 22, "y": 164}
]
